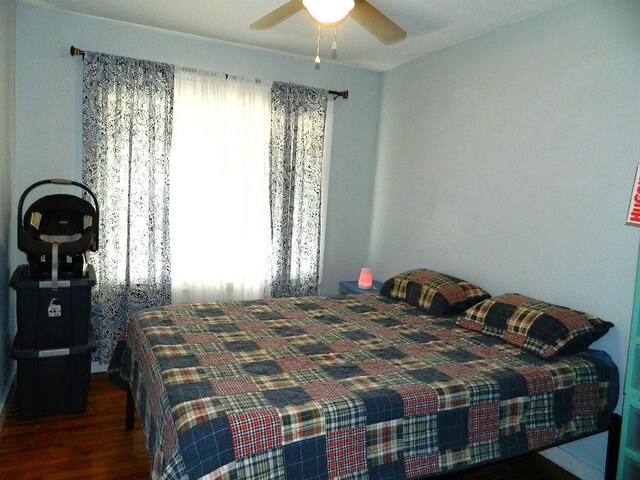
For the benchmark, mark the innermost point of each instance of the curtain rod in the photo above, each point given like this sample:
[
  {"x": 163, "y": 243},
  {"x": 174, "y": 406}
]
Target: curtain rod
[{"x": 75, "y": 51}]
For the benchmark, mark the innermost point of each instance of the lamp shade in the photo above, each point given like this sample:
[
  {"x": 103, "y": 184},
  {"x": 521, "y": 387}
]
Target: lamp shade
[
  {"x": 328, "y": 11},
  {"x": 365, "y": 280}
]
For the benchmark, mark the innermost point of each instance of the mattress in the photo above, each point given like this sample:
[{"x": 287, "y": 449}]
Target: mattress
[{"x": 346, "y": 388}]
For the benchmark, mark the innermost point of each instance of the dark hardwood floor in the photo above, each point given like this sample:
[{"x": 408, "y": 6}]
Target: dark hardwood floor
[
  {"x": 94, "y": 445},
  {"x": 91, "y": 445}
]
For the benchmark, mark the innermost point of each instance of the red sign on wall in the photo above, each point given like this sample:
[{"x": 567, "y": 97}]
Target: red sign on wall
[{"x": 633, "y": 217}]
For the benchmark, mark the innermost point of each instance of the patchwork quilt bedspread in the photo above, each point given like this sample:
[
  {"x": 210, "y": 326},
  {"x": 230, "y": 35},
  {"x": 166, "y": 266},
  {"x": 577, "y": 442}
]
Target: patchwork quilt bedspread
[{"x": 349, "y": 387}]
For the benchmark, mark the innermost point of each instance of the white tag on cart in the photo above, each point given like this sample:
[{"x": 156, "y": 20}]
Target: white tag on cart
[{"x": 54, "y": 310}]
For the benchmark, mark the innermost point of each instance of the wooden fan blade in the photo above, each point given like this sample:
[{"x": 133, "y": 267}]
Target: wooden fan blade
[
  {"x": 376, "y": 23},
  {"x": 278, "y": 15}
]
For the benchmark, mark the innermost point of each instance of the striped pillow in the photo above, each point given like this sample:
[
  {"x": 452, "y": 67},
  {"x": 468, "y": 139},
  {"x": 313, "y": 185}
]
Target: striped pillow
[
  {"x": 434, "y": 292},
  {"x": 538, "y": 327}
]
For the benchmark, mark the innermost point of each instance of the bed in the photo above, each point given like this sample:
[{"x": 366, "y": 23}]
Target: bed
[{"x": 367, "y": 386}]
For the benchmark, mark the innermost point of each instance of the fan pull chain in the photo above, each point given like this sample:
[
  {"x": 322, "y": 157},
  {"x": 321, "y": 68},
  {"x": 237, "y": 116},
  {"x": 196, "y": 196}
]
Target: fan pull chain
[
  {"x": 318, "y": 46},
  {"x": 334, "y": 45}
]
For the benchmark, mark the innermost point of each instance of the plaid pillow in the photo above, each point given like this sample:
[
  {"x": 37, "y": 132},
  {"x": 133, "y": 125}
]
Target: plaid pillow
[
  {"x": 538, "y": 327},
  {"x": 434, "y": 292}
]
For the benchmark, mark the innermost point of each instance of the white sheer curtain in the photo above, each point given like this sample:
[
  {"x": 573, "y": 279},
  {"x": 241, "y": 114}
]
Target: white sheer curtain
[{"x": 219, "y": 199}]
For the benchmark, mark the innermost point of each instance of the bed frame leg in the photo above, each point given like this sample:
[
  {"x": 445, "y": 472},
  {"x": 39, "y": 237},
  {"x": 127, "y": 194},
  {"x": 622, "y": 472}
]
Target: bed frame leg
[
  {"x": 613, "y": 447},
  {"x": 130, "y": 412}
]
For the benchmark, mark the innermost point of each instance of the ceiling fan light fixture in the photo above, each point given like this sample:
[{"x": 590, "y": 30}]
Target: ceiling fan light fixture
[{"x": 328, "y": 11}]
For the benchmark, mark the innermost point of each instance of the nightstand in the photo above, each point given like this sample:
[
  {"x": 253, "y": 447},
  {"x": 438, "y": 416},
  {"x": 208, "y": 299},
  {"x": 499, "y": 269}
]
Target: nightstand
[{"x": 350, "y": 287}]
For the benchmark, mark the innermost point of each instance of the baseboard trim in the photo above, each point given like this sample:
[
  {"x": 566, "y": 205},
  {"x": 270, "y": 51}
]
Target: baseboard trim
[
  {"x": 97, "y": 367},
  {"x": 4, "y": 404},
  {"x": 573, "y": 464}
]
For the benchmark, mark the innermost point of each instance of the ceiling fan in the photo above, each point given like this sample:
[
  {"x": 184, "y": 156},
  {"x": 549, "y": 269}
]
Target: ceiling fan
[{"x": 374, "y": 21}]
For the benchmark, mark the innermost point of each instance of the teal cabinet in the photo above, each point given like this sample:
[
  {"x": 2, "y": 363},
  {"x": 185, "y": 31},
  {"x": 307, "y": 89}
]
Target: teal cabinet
[{"x": 629, "y": 457}]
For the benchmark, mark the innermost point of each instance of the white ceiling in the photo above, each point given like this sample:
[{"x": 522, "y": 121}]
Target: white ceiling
[{"x": 430, "y": 24}]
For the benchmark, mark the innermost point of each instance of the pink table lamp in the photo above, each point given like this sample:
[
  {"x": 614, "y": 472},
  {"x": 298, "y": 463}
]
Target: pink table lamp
[{"x": 365, "y": 280}]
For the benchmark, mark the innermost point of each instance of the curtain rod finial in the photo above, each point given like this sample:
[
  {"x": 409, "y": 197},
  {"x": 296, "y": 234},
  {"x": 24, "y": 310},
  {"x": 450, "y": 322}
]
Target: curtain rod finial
[
  {"x": 343, "y": 94},
  {"x": 75, "y": 51}
]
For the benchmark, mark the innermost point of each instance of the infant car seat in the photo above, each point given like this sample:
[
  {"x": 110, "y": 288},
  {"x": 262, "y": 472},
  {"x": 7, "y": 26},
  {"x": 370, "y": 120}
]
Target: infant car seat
[{"x": 56, "y": 231}]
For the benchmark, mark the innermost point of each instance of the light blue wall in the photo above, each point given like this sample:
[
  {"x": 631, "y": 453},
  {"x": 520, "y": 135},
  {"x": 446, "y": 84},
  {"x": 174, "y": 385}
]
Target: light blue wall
[
  {"x": 509, "y": 159},
  {"x": 48, "y": 138},
  {"x": 7, "y": 71}
]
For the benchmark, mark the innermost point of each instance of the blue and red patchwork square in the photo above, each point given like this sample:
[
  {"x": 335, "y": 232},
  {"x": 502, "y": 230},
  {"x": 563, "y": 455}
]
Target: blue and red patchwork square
[
  {"x": 264, "y": 465},
  {"x": 242, "y": 346},
  {"x": 344, "y": 346},
  {"x": 268, "y": 343},
  {"x": 510, "y": 384},
  {"x": 418, "y": 399},
  {"x": 343, "y": 371},
  {"x": 299, "y": 422},
  {"x": 382, "y": 405},
  {"x": 540, "y": 438},
  {"x": 429, "y": 374},
  {"x": 205, "y": 337},
  {"x": 389, "y": 353},
  {"x": 377, "y": 367},
  {"x": 325, "y": 389},
  {"x": 232, "y": 386},
  {"x": 483, "y": 421},
  {"x": 513, "y": 444},
  {"x": 281, "y": 397},
  {"x": 453, "y": 431},
  {"x": 255, "y": 430},
  {"x": 540, "y": 415},
  {"x": 512, "y": 415},
  {"x": 585, "y": 399},
  {"x": 314, "y": 348},
  {"x": 387, "y": 322},
  {"x": 456, "y": 370},
  {"x": 265, "y": 367},
  {"x": 252, "y": 325},
  {"x": 563, "y": 410},
  {"x": 343, "y": 413},
  {"x": 420, "y": 435},
  {"x": 384, "y": 442},
  {"x": 387, "y": 471},
  {"x": 539, "y": 379},
  {"x": 346, "y": 452},
  {"x": 420, "y": 465},
  {"x": 295, "y": 364},
  {"x": 307, "y": 459},
  {"x": 213, "y": 436},
  {"x": 357, "y": 335},
  {"x": 289, "y": 331}
]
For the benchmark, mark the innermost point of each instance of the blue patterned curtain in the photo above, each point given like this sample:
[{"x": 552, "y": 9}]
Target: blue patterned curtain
[
  {"x": 127, "y": 124},
  {"x": 298, "y": 116}
]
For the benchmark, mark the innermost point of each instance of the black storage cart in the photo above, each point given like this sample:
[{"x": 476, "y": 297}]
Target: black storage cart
[
  {"x": 53, "y": 380},
  {"x": 52, "y": 317},
  {"x": 55, "y": 339}
]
